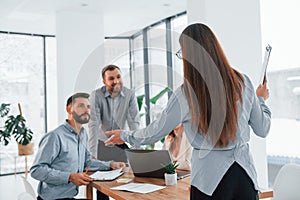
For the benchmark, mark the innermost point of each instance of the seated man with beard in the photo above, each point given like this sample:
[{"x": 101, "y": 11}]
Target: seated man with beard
[{"x": 63, "y": 155}]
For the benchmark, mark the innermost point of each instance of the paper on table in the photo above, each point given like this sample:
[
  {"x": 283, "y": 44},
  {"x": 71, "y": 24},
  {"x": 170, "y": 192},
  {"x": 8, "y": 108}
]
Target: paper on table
[
  {"x": 106, "y": 175},
  {"x": 139, "y": 187}
]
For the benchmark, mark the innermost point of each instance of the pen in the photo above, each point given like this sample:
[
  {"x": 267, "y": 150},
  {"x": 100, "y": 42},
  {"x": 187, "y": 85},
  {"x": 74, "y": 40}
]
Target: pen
[{"x": 87, "y": 170}]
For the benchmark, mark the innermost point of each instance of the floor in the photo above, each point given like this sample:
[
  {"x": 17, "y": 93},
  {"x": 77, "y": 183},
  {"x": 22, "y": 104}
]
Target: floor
[{"x": 12, "y": 187}]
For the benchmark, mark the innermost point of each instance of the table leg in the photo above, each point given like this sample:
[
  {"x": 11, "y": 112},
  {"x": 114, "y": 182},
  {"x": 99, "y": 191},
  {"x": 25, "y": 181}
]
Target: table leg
[{"x": 89, "y": 191}]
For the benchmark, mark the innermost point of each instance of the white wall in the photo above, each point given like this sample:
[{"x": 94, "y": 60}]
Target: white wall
[
  {"x": 237, "y": 26},
  {"x": 78, "y": 35}
]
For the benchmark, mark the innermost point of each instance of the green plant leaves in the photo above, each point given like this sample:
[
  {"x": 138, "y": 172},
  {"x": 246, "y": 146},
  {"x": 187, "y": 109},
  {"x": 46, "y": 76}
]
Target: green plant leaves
[
  {"x": 22, "y": 134},
  {"x": 171, "y": 167},
  {"x": 4, "y": 137},
  {"x": 4, "y": 109},
  {"x": 16, "y": 127},
  {"x": 154, "y": 99},
  {"x": 140, "y": 101}
]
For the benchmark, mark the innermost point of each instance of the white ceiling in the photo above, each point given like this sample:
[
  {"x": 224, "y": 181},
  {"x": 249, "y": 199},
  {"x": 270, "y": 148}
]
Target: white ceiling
[{"x": 38, "y": 16}]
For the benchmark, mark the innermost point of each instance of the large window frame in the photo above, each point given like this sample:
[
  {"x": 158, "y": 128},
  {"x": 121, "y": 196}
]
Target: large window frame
[
  {"x": 283, "y": 77},
  {"x": 146, "y": 48},
  {"x": 18, "y": 165}
]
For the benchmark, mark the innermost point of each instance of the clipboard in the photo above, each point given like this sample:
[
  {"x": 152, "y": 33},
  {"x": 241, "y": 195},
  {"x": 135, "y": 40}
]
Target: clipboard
[
  {"x": 265, "y": 64},
  {"x": 106, "y": 175}
]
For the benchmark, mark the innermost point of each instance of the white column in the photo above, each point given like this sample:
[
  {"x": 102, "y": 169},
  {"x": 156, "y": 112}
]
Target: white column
[
  {"x": 79, "y": 37},
  {"x": 237, "y": 26}
]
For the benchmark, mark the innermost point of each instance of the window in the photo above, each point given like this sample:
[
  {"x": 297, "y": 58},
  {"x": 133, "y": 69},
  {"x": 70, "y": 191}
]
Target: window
[
  {"x": 51, "y": 78},
  {"x": 131, "y": 52},
  {"x": 22, "y": 72},
  {"x": 178, "y": 25},
  {"x": 158, "y": 79},
  {"x": 282, "y": 33},
  {"x": 138, "y": 70},
  {"x": 117, "y": 53}
]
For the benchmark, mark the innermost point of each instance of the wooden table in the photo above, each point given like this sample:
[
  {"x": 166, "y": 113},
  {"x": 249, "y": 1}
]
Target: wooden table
[{"x": 178, "y": 191}]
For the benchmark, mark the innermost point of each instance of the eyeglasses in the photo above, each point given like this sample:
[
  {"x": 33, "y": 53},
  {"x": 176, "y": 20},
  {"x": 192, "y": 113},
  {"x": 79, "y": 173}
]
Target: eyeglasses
[{"x": 179, "y": 54}]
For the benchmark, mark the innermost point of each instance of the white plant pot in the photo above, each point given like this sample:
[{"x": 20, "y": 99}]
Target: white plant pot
[{"x": 171, "y": 179}]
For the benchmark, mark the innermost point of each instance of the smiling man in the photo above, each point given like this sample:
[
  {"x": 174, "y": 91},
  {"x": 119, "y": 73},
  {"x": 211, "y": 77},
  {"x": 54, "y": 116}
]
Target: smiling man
[
  {"x": 63, "y": 155},
  {"x": 111, "y": 107}
]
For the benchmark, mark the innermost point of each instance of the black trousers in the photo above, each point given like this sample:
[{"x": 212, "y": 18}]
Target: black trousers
[{"x": 235, "y": 185}]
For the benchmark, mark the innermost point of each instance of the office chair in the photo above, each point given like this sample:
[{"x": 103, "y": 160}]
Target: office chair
[
  {"x": 25, "y": 196},
  {"x": 287, "y": 183},
  {"x": 29, "y": 194}
]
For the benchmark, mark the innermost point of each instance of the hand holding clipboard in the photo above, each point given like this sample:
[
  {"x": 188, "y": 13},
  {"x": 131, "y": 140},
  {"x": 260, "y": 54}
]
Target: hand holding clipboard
[
  {"x": 265, "y": 65},
  {"x": 262, "y": 90}
]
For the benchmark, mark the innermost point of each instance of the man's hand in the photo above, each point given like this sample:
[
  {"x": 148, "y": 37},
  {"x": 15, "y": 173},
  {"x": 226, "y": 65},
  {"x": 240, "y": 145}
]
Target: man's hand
[
  {"x": 80, "y": 179},
  {"x": 262, "y": 90},
  {"x": 115, "y": 137},
  {"x": 117, "y": 165}
]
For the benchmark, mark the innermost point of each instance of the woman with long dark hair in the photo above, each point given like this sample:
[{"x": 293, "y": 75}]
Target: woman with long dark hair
[{"x": 217, "y": 105}]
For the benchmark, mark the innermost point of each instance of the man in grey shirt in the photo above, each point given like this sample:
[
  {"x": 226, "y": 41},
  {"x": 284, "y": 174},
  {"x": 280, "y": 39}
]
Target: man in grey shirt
[
  {"x": 63, "y": 156},
  {"x": 111, "y": 107}
]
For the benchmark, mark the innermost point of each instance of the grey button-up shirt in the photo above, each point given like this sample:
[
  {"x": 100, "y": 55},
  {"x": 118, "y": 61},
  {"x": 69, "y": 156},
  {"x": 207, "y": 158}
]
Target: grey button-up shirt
[
  {"x": 210, "y": 164},
  {"x": 62, "y": 152},
  {"x": 109, "y": 113}
]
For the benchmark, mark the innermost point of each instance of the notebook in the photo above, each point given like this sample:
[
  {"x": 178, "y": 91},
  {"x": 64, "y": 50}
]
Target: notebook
[
  {"x": 106, "y": 175},
  {"x": 149, "y": 163}
]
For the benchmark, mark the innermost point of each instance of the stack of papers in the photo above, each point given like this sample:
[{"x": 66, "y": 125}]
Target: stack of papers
[
  {"x": 139, "y": 187},
  {"x": 106, "y": 175}
]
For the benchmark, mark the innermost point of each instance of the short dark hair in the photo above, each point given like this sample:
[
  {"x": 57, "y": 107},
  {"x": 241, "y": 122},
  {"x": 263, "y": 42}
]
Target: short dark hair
[
  {"x": 77, "y": 95},
  {"x": 109, "y": 68}
]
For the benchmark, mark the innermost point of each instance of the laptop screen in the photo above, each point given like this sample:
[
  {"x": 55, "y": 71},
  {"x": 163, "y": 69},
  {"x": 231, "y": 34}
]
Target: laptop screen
[
  {"x": 107, "y": 153},
  {"x": 149, "y": 163}
]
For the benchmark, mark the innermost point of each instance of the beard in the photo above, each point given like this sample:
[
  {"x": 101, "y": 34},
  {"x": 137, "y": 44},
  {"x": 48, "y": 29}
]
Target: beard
[
  {"x": 78, "y": 118},
  {"x": 117, "y": 88}
]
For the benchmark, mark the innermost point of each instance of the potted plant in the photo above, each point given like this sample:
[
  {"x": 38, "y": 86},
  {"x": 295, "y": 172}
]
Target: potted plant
[
  {"x": 171, "y": 175},
  {"x": 14, "y": 126}
]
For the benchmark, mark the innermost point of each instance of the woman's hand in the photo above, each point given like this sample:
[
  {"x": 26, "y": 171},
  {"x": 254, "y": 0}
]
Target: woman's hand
[
  {"x": 262, "y": 91},
  {"x": 114, "y": 138},
  {"x": 117, "y": 165}
]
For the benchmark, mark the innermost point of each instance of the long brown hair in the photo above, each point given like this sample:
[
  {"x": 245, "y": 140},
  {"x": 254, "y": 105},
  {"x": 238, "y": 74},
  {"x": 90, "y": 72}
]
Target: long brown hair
[{"x": 213, "y": 89}]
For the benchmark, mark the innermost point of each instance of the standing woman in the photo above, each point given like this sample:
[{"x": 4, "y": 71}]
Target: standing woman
[{"x": 216, "y": 105}]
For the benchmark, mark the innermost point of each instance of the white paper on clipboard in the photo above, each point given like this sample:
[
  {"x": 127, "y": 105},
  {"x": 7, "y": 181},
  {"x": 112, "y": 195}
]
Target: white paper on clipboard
[
  {"x": 106, "y": 175},
  {"x": 265, "y": 64}
]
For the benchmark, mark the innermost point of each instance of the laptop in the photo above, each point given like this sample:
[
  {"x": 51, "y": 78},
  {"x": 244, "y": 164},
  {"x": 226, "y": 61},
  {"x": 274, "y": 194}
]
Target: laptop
[
  {"x": 149, "y": 163},
  {"x": 114, "y": 153}
]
